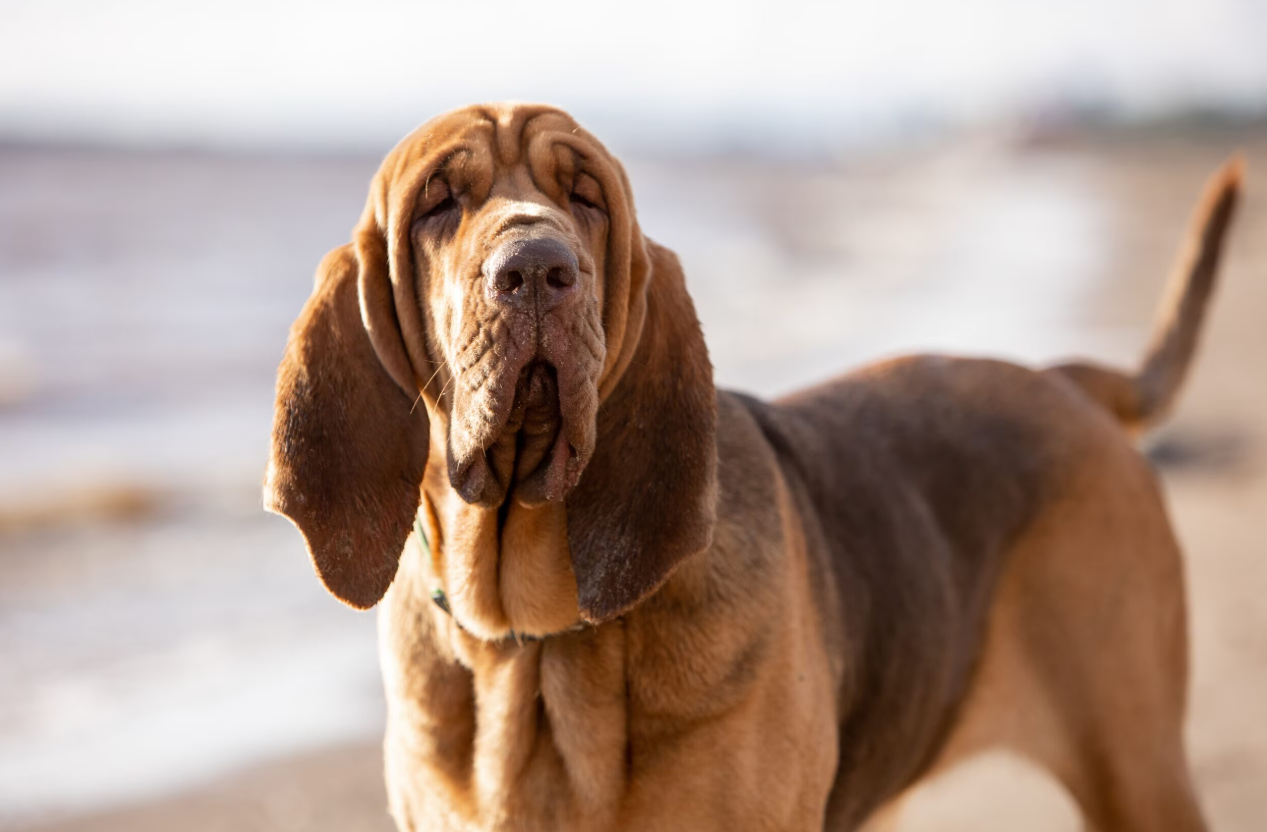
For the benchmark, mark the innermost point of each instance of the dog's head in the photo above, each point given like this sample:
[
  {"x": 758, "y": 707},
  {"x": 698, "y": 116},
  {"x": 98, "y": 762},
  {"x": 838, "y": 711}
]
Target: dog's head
[{"x": 498, "y": 284}]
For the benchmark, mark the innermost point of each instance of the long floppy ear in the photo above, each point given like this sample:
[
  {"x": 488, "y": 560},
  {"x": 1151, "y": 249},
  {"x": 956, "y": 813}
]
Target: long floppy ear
[
  {"x": 648, "y": 498},
  {"x": 349, "y": 443}
]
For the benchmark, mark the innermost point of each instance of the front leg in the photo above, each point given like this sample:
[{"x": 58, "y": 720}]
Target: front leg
[{"x": 500, "y": 734}]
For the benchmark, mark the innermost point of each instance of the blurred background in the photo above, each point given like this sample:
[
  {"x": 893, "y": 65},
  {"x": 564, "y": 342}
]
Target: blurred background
[{"x": 853, "y": 180}]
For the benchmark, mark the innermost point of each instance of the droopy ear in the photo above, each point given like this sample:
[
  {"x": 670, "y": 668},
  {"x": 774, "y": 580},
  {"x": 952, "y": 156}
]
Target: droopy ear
[
  {"x": 648, "y": 498},
  {"x": 349, "y": 444}
]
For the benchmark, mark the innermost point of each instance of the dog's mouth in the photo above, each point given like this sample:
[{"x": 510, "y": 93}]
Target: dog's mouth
[{"x": 538, "y": 452}]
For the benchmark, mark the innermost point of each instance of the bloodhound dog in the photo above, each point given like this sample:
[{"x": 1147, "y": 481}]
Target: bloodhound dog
[{"x": 615, "y": 597}]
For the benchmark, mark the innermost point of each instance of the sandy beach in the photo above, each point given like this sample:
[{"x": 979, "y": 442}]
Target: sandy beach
[{"x": 171, "y": 662}]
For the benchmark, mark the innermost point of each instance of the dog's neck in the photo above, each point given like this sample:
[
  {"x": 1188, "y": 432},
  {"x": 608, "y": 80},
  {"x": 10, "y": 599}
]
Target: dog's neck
[
  {"x": 503, "y": 573},
  {"x": 441, "y": 599},
  {"x": 505, "y": 727}
]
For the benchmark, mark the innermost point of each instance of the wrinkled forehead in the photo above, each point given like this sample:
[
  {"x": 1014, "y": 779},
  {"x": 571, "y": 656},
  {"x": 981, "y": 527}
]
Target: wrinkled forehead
[{"x": 497, "y": 149}]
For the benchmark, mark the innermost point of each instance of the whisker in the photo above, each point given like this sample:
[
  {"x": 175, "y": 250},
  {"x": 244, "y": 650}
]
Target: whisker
[
  {"x": 433, "y": 375},
  {"x": 426, "y": 384}
]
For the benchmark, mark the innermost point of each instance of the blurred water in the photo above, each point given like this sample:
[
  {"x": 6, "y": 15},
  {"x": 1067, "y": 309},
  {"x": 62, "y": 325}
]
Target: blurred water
[
  {"x": 800, "y": 273},
  {"x": 148, "y": 658},
  {"x": 144, "y": 302}
]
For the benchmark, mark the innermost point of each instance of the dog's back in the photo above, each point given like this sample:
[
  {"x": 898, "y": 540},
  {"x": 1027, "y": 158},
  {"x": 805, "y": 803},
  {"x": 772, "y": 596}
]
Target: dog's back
[
  {"x": 919, "y": 476},
  {"x": 915, "y": 477}
]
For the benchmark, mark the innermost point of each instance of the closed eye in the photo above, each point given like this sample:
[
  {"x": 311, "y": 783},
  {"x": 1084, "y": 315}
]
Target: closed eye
[
  {"x": 587, "y": 193},
  {"x": 577, "y": 199},
  {"x": 443, "y": 207},
  {"x": 435, "y": 201}
]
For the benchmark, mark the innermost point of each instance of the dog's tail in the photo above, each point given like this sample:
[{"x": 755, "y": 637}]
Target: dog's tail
[{"x": 1140, "y": 400}]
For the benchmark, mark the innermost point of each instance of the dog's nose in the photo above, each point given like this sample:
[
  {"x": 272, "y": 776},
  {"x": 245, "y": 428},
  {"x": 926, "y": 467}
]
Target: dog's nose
[{"x": 533, "y": 271}]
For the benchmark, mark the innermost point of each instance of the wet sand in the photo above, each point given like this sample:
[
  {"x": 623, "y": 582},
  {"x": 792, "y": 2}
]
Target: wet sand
[
  {"x": 332, "y": 790},
  {"x": 157, "y": 369}
]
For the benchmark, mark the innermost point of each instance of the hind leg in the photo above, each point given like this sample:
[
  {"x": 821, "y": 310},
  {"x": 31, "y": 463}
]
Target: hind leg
[{"x": 1084, "y": 669}]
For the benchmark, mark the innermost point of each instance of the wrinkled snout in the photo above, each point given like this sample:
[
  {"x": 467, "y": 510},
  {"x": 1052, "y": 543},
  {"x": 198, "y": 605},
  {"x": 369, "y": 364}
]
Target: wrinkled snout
[
  {"x": 536, "y": 272},
  {"x": 524, "y": 407}
]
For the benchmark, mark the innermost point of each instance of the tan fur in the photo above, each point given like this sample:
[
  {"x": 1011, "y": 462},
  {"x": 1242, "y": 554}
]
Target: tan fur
[
  {"x": 679, "y": 608},
  {"x": 1141, "y": 399}
]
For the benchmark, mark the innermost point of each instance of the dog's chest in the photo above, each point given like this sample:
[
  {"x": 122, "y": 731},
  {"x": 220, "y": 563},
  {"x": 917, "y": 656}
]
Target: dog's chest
[
  {"x": 503, "y": 735},
  {"x": 557, "y": 735}
]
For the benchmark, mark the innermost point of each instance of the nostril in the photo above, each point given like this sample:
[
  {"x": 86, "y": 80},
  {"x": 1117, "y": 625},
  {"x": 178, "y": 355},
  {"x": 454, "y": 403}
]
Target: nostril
[
  {"x": 560, "y": 278},
  {"x": 510, "y": 281}
]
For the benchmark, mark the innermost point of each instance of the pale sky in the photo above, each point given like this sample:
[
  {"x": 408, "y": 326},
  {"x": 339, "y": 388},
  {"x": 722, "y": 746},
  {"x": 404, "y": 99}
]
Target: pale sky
[{"x": 324, "y": 73}]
